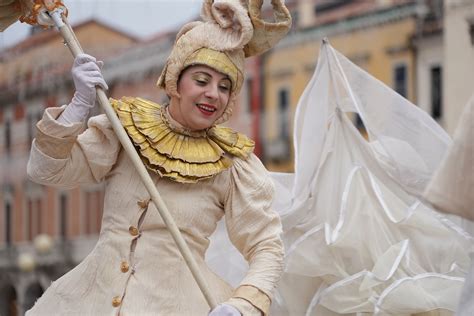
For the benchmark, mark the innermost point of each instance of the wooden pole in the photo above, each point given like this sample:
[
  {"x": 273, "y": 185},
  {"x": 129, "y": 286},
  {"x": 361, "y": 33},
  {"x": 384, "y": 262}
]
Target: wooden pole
[{"x": 75, "y": 48}]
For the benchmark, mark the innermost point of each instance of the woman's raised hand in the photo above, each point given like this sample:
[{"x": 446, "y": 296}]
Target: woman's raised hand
[{"x": 86, "y": 75}]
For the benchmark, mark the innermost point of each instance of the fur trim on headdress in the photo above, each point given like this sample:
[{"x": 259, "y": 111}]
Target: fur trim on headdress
[{"x": 233, "y": 27}]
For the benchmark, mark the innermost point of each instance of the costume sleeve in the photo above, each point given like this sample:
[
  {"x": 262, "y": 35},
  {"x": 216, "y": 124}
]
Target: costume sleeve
[
  {"x": 67, "y": 156},
  {"x": 254, "y": 228}
]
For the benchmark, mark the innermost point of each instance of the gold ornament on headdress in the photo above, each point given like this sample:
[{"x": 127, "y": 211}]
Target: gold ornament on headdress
[{"x": 216, "y": 60}]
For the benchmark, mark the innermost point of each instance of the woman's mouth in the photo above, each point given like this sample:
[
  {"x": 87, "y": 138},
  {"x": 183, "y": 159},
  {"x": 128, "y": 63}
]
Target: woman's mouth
[{"x": 206, "y": 109}]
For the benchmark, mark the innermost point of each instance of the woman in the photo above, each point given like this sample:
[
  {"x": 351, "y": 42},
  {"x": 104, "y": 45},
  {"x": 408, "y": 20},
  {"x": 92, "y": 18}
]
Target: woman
[{"x": 203, "y": 171}]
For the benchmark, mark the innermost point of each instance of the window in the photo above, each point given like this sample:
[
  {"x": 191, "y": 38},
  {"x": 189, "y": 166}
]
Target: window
[
  {"x": 8, "y": 136},
  {"x": 32, "y": 293},
  {"x": 250, "y": 92},
  {"x": 470, "y": 22},
  {"x": 8, "y": 224},
  {"x": 63, "y": 216},
  {"x": 436, "y": 93},
  {"x": 39, "y": 116},
  {"x": 330, "y": 5},
  {"x": 283, "y": 105},
  {"x": 31, "y": 215},
  {"x": 34, "y": 209},
  {"x": 31, "y": 120},
  {"x": 30, "y": 127},
  {"x": 277, "y": 150},
  {"x": 400, "y": 79},
  {"x": 295, "y": 17}
]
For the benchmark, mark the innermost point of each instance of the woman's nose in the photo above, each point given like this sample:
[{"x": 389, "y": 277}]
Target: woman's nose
[{"x": 212, "y": 91}]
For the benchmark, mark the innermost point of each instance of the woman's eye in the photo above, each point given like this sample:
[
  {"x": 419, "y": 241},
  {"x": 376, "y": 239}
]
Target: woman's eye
[
  {"x": 225, "y": 85},
  {"x": 201, "y": 82}
]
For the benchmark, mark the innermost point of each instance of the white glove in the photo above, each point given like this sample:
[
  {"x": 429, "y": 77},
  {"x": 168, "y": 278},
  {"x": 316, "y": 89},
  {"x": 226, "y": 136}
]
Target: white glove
[
  {"x": 225, "y": 310},
  {"x": 86, "y": 75}
]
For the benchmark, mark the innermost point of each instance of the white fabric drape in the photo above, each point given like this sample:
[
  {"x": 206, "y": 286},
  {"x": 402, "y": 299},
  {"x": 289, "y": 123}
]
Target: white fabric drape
[{"x": 358, "y": 239}]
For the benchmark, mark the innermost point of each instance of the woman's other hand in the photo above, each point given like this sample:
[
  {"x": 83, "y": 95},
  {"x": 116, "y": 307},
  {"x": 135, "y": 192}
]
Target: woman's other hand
[
  {"x": 86, "y": 75},
  {"x": 224, "y": 310}
]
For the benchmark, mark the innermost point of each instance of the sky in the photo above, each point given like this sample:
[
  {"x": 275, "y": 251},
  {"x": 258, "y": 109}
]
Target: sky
[{"x": 142, "y": 18}]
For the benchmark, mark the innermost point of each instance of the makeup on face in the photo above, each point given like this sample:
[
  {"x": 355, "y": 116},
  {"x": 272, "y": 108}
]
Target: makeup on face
[{"x": 204, "y": 95}]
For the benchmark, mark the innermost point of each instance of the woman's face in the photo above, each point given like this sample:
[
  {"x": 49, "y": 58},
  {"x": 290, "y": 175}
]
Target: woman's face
[{"x": 204, "y": 96}]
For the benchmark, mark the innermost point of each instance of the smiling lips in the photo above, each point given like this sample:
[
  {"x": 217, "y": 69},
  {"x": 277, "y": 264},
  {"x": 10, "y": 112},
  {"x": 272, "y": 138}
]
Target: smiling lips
[{"x": 206, "y": 109}]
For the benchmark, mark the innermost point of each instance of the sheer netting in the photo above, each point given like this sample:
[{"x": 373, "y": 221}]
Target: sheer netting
[{"x": 357, "y": 237}]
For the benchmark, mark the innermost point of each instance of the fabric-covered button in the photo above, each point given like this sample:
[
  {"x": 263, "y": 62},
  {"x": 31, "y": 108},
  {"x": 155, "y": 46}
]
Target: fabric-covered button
[
  {"x": 143, "y": 204},
  {"x": 133, "y": 230},
  {"x": 124, "y": 267},
  {"x": 116, "y": 301}
]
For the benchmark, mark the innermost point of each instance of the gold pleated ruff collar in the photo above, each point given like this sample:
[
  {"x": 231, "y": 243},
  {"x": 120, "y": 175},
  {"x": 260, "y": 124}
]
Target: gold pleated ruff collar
[{"x": 174, "y": 152}]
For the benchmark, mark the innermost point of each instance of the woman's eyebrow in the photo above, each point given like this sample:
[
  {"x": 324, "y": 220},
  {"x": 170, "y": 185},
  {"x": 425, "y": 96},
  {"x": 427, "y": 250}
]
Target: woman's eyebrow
[
  {"x": 225, "y": 77},
  {"x": 202, "y": 72}
]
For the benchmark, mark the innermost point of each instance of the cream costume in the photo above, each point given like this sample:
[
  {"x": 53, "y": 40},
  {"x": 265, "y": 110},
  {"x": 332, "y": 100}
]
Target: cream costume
[{"x": 135, "y": 268}]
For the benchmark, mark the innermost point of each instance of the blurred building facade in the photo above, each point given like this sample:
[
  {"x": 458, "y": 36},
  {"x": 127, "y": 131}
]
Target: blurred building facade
[
  {"x": 417, "y": 47},
  {"x": 428, "y": 45},
  {"x": 445, "y": 61},
  {"x": 376, "y": 35},
  {"x": 458, "y": 61}
]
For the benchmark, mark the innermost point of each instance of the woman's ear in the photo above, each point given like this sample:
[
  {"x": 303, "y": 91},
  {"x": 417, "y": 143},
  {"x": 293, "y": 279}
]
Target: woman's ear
[{"x": 174, "y": 99}]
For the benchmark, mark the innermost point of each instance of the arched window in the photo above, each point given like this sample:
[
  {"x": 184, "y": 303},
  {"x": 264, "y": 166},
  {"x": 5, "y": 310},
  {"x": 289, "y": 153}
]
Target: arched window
[
  {"x": 33, "y": 292},
  {"x": 8, "y": 300}
]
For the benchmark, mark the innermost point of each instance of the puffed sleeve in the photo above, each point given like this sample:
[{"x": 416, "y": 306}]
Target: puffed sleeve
[
  {"x": 254, "y": 228},
  {"x": 67, "y": 155}
]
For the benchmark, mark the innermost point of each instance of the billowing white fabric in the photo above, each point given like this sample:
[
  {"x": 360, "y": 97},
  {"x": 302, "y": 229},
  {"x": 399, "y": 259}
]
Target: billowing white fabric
[
  {"x": 357, "y": 237},
  {"x": 451, "y": 189}
]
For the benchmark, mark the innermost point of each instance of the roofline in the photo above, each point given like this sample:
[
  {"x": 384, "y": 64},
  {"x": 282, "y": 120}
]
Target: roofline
[
  {"x": 50, "y": 34},
  {"x": 364, "y": 20}
]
